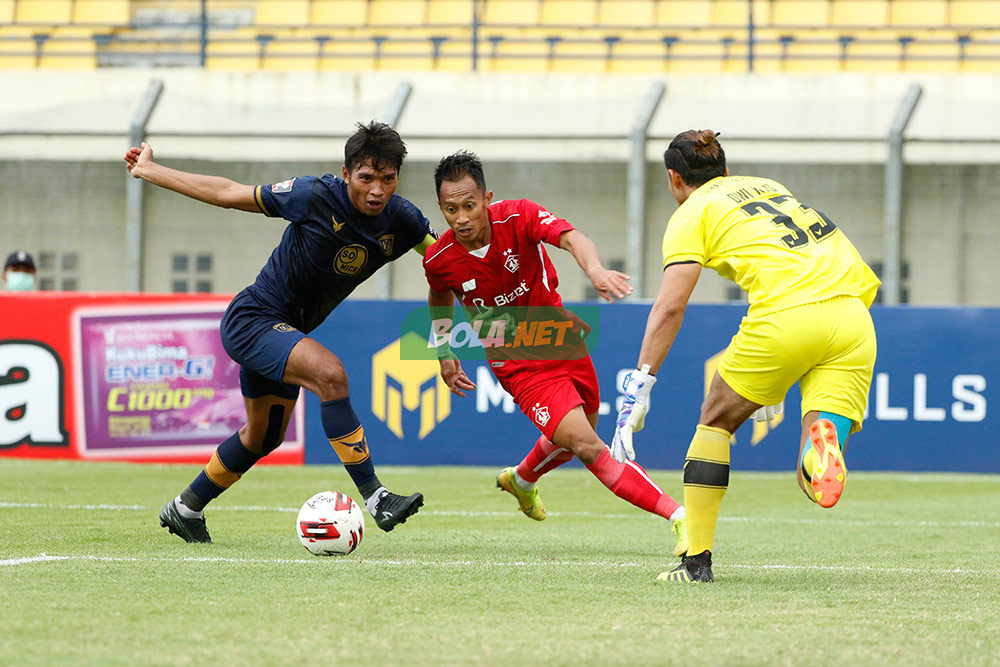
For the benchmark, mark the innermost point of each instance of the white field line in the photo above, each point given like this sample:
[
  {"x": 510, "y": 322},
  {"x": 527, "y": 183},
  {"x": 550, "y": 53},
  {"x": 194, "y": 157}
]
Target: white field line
[
  {"x": 413, "y": 562},
  {"x": 919, "y": 523}
]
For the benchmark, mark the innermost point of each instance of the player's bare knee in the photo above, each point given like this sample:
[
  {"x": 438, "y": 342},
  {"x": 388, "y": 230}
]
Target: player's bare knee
[
  {"x": 331, "y": 382},
  {"x": 585, "y": 449}
]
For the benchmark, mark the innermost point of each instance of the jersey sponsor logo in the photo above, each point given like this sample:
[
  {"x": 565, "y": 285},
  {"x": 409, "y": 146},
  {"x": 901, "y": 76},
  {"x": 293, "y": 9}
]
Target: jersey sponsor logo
[
  {"x": 469, "y": 285},
  {"x": 284, "y": 186},
  {"x": 511, "y": 262},
  {"x": 386, "y": 242},
  {"x": 337, "y": 226},
  {"x": 31, "y": 395},
  {"x": 283, "y": 327},
  {"x": 350, "y": 260},
  {"x": 541, "y": 414},
  {"x": 410, "y": 384},
  {"x": 511, "y": 296}
]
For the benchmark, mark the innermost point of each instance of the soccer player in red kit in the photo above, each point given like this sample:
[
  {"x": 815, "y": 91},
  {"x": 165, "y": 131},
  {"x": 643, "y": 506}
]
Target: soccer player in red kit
[{"x": 494, "y": 259}]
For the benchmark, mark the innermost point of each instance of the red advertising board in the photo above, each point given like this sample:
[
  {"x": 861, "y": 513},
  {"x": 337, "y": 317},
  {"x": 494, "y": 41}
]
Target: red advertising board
[{"x": 124, "y": 377}]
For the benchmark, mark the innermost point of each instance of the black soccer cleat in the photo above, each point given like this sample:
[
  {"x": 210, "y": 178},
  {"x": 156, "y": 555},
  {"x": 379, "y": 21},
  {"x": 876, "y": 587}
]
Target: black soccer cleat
[
  {"x": 391, "y": 509},
  {"x": 692, "y": 569},
  {"x": 189, "y": 530}
]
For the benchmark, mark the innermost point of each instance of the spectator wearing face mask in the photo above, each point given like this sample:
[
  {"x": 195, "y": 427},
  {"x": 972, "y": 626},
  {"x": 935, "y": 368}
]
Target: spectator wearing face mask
[{"x": 19, "y": 272}]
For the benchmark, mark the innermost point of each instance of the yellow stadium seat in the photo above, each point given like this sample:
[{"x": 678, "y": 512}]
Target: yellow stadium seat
[
  {"x": 589, "y": 56},
  {"x": 686, "y": 13},
  {"x": 510, "y": 12},
  {"x": 350, "y": 55},
  {"x": 69, "y": 48},
  {"x": 237, "y": 50},
  {"x": 638, "y": 57},
  {"x": 574, "y": 13},
  {"x": 737, "y": 13},
  {"x": 520, "y": 56},
  {"x": 800, "y": 13},
  {"x": 6, "y": 11},
  {"x": 932, "y": 55},
  {"x": 814, "y": 51},
  {"x": 974, "y": 14},
  {"x": 18, "y": 48},
  {"x": 695, "y": 54},
  {"x": 450, "y": 12},
  {"x": 397, "y": 12},
  {"x": 982, "y": 55},
  {"x": 291, "y": 51},
  {"x": 411, "y": 54},
  {"x": 101, "y": 12},
  {"x": 929, "y": 13},
  {"x": 48, "y": 12},
  {"x": 291, "y": 13},
  {"x": 861, "y": 13},
  {"x": 455, "y": 55},
  {"x": 638, "y": 13},
  {"x": 341, "y": 13},
  {"x": 872, "y": 52}
]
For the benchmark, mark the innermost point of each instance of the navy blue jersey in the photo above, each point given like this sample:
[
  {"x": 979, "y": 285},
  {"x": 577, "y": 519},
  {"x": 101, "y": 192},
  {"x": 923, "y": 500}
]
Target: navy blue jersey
[{"x": 330, "y": 248}]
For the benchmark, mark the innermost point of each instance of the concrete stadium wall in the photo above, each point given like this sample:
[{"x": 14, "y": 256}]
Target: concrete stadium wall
[{"x": 560, "y": 140}]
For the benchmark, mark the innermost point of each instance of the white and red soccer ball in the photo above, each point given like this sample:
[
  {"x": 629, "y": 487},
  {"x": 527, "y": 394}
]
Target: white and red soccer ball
[{"x": 330, "y": 524}]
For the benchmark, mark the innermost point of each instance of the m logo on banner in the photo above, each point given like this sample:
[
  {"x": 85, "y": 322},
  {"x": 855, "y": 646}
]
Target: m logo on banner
[
  {"x": 31, "y": 395},
  {"x": 416, "y": 385}
]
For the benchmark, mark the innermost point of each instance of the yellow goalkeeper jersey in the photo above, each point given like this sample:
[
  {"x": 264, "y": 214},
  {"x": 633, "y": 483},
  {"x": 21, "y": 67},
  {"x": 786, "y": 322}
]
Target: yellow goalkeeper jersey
[{"x": 782, "y": 252}]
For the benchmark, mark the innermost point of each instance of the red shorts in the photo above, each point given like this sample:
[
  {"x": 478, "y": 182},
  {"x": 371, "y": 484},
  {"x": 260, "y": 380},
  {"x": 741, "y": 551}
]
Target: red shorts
[{"x": 547, "y": 391}]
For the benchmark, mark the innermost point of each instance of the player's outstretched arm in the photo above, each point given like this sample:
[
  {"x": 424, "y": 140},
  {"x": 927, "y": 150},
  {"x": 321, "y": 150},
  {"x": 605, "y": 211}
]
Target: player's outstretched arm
[
  {"x": 608, "y": 283},
  {"x": 442, "y": 306},
  {"x": 667, "y": 313},
  {"x": 214, "y": 190}
]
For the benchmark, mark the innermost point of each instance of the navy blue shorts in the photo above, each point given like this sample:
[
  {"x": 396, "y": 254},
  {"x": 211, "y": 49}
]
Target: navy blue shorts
[{"x": 260, "y": 342}]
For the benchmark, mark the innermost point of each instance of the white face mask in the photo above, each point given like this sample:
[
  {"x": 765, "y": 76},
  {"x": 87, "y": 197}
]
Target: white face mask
[{"x": 20, "y": 281}]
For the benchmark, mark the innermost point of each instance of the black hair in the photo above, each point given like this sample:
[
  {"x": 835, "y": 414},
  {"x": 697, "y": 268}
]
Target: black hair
[
  {"x": 375, "y": 142},
  {"x": 457, "y": 166},
  {"x": 697, "y": 156}
]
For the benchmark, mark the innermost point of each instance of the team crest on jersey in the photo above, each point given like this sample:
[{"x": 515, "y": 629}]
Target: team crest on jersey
[
  {"x": 386, "y": 242},
  {"x": 511, "y": 262},
  {"x": 337, "y": 226},
  {"x": 283, "y": 327},
  {"x": 284, "y": 186},
  {"x": 350, "y": 259},
  {"x": 541, "y": 414}
]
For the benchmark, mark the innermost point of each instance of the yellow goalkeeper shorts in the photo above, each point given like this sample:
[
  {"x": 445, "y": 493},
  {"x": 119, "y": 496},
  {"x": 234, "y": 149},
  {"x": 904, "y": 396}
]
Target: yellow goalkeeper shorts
[{"x": 827, "y": 347}]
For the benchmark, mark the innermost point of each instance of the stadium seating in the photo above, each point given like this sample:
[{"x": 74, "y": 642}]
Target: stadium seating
[{"x": 593, "y": 36}]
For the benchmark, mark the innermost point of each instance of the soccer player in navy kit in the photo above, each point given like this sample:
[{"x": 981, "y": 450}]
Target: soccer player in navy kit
[{"x": 342, "y": 230}]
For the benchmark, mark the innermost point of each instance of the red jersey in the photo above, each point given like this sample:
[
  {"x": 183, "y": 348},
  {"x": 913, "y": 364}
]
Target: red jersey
[{"x": 513, "y": 270}]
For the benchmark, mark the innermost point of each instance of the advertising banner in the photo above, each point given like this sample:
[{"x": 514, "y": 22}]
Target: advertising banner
[
  {"x": 123, "y": 377},
  {"x": 937, "y": 375}
]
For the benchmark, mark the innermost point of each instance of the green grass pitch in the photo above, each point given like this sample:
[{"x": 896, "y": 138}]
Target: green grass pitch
[{"x": 904, "y": 571}]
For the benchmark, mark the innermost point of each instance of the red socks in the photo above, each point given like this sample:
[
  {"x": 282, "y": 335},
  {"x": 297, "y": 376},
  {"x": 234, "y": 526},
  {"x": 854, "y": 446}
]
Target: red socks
[
  {"x": 630, "y": 482},
  {"x": 543, "y": 457}
]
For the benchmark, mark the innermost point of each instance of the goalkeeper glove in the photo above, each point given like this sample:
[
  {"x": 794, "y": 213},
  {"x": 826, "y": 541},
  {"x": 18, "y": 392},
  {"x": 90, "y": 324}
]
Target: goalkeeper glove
[
  {"x": 767, "y": 412},
  {"x": 632, "y": 416}
]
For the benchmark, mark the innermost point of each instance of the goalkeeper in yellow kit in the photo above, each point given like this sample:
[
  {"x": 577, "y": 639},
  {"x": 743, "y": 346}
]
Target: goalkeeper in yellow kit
[{"x": 808, "y": 322}]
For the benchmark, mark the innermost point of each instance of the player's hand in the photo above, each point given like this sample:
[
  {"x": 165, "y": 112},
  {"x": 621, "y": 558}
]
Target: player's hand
[
  {"x": 767, "y": 412},
  {"x": 138, "y": 159},
  {"x": 632, "y": 416},
  {"x": 455, "y": 377},
  {"x": 611, "y": 285}
]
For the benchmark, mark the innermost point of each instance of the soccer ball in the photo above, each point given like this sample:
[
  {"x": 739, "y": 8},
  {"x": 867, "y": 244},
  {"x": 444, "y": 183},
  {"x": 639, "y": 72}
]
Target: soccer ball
[{"x": 330, "y": 524}]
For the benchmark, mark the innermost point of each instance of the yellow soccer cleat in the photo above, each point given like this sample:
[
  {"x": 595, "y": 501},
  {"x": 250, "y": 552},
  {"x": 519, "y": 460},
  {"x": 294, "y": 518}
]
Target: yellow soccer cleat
[
  {"x": 679, "y": 528},
  {"x": 529, "y": 501},
  {"x": 829, "y": 475}
]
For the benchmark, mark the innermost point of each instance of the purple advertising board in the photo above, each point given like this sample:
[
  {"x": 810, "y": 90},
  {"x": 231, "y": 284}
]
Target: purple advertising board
[{"x": 156, "y": 381}]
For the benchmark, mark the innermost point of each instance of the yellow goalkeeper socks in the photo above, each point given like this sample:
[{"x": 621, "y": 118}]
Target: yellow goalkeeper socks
[{"x": 706, "y": 477}]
